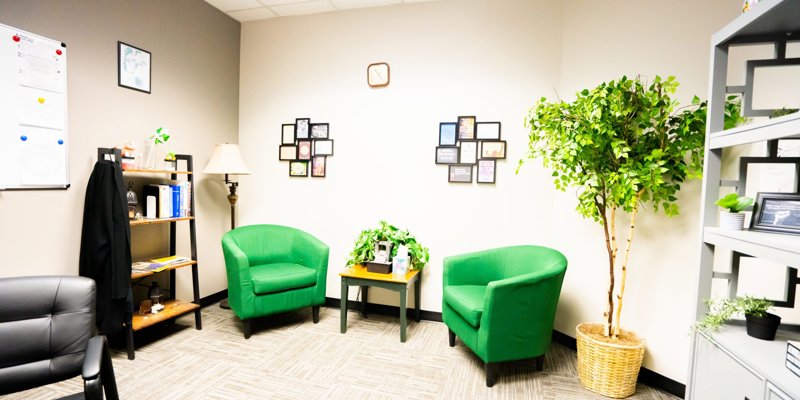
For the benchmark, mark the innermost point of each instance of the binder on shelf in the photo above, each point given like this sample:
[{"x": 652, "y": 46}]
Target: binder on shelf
[
  {"x": 165, "y": 201},
  {"x": 176, "y": 200},
  {"x": 152, "y": 190}
]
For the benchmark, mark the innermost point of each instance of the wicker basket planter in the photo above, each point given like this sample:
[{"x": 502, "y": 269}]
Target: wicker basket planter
[{"x": 607, "y": 368}]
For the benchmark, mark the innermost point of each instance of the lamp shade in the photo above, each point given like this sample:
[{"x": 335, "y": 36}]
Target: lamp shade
[{"x": 226, "y": 159}]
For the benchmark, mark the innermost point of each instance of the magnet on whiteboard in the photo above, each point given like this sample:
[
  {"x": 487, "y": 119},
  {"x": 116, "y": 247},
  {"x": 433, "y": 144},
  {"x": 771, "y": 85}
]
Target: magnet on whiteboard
[
  {"x": 23, "y": 138},
  {"x": 16, "y": 38},
  {"x": 60, "y": 141},
  {"x": 58, "y": 52},
  {"x": 41, "y": 100}
]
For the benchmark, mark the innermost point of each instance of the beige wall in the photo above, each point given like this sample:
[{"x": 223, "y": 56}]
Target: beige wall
[{"x": 195, "y": 78}]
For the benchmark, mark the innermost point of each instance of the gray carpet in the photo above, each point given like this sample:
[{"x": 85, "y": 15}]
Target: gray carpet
[{"x": 289, "y": 357}]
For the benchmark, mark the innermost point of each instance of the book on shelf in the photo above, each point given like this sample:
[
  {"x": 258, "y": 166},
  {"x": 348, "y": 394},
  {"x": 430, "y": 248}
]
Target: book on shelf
[
  {"x": 158, "y": 264},
  {"x": 793, "y": 356},
  {"x": 172, "y": 200}
]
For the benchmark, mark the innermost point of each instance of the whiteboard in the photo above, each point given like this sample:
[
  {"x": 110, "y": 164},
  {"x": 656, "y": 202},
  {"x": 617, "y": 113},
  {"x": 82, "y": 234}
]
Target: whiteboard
[{"x": 33, "y": 111}]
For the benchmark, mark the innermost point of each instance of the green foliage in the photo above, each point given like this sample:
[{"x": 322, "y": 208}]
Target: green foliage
[
  {"x": 364, "y": 248},
  {"x": 161, "y": 136},
  {"x": 170, "y": 156},
  {"x": 783, "y": 111},
  {"x": 735, "y": 203},
  {"x": 721, "y": 310},
  {"x": 733, "y": 112}
]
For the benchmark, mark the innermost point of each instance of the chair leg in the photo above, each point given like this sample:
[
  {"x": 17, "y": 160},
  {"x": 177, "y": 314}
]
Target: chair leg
[
  {"x": 540, "y": 363},
  {"x": 491, "y": 374},
  {"x": 315, "y": 313},
  {"x": 451, "y": 337},
  {"x": 248, "y": 328}
]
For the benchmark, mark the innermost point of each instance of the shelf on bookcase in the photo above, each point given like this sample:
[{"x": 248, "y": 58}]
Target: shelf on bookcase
[
  {"x": 172, "y": 309},
  {"x": 142, "y": 274},
  {"x": 151, "y": 221},
  {"x": 156, "y": 171}
]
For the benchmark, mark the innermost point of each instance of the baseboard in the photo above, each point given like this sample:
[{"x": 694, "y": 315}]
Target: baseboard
[{"x": 646, "y": 376}]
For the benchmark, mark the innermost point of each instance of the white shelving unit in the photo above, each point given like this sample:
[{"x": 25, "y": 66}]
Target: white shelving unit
[{"x": 730, "y": 364}]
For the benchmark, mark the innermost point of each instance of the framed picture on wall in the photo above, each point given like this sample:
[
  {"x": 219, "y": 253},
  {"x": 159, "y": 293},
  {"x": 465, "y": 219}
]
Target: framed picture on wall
[
  {"x": 133, "y": 67},
  {"x": 466, "y": 127},
  {"x": 468, "y": 152},
  {"x": 493, "y": 149},
  {"x": 486, "y": 171},
  {"x": 318, "y": 166},
  {"x": 287, "y": 152},
  {"x": 487, "y": 130},
  {"x": 303, "y": 149},
  {"x": 776, "y": 212},
  {"x": 323, "y": 147},
  {"x": 447, "y": 133},
  {"x": 287, "y": 134},
  {"x": 301, "y": 128},
  {"x": 319, "y": 131},
  {"x": 459, "y": 173},
  {"x": 298, "y": 168},
  {"x": 447, "y": 155}
]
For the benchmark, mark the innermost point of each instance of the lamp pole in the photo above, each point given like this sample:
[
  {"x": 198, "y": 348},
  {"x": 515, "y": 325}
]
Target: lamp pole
[{"x": 232, "y": 198}]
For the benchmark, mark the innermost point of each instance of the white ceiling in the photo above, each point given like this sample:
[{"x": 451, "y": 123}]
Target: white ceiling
[{"x": 251, "y": 10}]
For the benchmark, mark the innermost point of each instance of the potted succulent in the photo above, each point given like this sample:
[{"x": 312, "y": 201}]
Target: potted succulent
[
  {"x": 170, "y": 162},
  {"x": 733, "y": 218},
  {"x": 760, "y": 323},
  {"x": 364, "y": 248},
  {"x": 622, "y": 144}
]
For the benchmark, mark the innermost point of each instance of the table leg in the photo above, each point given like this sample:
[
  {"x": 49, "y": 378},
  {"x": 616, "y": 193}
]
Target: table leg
[
  {"x": 403, "y": 319},
  {"x": 364, "y": 297},
  {"x": 343, "y": 306},
  {"x": 417, "y": 291}
]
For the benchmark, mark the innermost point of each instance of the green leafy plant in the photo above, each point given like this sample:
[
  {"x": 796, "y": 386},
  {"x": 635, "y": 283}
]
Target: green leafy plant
[
  {"x": 170, "y": 156},
  {"x": 734, "y": 203},
  {"x": 161, "y": 136},
  {"x": 364, "y": 248},
  {"x": 722, "y": 310},
  {"x": 783, "y": 111},
  {"x": 733, "y": 112}
]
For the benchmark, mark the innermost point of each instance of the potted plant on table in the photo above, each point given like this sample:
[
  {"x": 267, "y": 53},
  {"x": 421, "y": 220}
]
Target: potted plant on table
[
  {"x": 364, "y": 248},
  {"x": 622, "y": 144},
  {"x": 760, "y": 323},
  {"x": 733, "y": 218}
]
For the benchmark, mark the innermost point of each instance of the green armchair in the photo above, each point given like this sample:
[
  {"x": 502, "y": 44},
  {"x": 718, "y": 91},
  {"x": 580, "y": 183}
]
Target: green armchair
[
  {"x": 272, "y": 269},
  {"x": 502, "y": 302}
]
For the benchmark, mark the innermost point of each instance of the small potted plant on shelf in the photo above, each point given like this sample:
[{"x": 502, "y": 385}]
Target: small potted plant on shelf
[
  {"x": 733, "y": 218},
  {"x": 364, "y": 248},
  {"x": 760, "y": 323},
  {"x": 170, "y": 162}
]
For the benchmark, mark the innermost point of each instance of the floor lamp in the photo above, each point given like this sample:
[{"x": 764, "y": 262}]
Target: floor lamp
[{"x": 227, "y": 160}]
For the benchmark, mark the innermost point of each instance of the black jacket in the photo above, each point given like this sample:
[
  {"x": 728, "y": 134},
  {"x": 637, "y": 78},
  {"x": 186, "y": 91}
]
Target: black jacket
[{"x": 106, "y": 245}]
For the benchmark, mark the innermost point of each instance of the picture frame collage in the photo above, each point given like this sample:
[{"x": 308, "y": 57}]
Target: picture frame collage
[
  {"x": 306, "y": 146},
  {"x": 466, "y": 144}
]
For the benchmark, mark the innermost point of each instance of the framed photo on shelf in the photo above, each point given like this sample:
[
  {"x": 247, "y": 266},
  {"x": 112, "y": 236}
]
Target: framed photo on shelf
[
  {"x": 468, "y": 152},
  {"x": 319, "y": 131},
  {"x": 466, "y": 127},
  {"x": 768, "y": 174},
  {"x": 788, "y": 148},
  {"x": 323, "y": 147},
  {"x": 776, "y": 212},
  {"x": 447, "y": 133},
  {"x": 298, "y": 168},
  {"x": 447, "y": 155},
  {"x": 301, "y": 128},
  {"x": 303, "y": 149},
  {"x": 459, "y": 173},
  {"x": 493, "y": 149},
  {"x": 318, "y": 166},
  {"x": 487, "y": 130},
  {"x": 133, "y": 67},
  {"x": 287, "y": 152},
  {"x": 287, "y": 134},
  {"x": 486, "y": 171}
]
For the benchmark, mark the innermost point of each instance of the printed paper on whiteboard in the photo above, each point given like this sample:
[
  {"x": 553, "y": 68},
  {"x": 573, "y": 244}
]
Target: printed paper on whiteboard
[
  {"x": 40, "y": 66},
  {"x": 42, "y": 158},
  {"x": 40, "y": 108}
]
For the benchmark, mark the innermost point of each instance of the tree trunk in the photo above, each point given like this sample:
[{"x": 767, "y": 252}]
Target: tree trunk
[
  {"x": 625, "y": 263},
  {"x": 609, "y": 314}
]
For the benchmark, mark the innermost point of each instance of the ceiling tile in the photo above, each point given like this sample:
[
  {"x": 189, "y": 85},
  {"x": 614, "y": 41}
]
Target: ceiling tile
[
  {"x": 280, "y": 2},
  {"x": 232, "y": 5},
  {"x": 347, "y": 4},
  {"x": 252, "y": 14},
  {"x": 308, "y": 7}
]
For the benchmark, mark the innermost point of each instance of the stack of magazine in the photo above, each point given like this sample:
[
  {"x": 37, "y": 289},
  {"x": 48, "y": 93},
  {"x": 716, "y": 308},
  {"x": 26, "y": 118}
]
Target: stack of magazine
[
  {"x": 158, "y": 264},
  {"x": 793, "y": 356}
]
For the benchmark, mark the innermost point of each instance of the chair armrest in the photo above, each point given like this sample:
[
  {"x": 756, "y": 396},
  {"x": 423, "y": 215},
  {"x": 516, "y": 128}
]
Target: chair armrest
[
  {"x": 93, "y": 358},
  {"x": 313, "y": 253},
  {"x": 98, "y": 372},
  {"x": 236, "y": 263}
]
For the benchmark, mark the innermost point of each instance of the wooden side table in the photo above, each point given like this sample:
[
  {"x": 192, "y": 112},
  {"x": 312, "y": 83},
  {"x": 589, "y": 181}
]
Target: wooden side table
[{"x": 358, "y": 275}]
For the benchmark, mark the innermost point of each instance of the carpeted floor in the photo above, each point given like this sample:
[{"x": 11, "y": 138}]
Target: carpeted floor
[{"x": 289, "y": 357}]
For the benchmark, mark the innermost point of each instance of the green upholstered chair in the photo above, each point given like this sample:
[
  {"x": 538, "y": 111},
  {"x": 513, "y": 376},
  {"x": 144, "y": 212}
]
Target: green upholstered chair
[
  {"x": 272, "y": 269},
  {"x": 502, "y": 302}
]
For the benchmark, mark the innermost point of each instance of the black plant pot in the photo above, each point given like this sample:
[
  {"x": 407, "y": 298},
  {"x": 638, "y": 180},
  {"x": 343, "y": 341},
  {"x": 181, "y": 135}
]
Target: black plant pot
[{"x": 762, "y": 327}]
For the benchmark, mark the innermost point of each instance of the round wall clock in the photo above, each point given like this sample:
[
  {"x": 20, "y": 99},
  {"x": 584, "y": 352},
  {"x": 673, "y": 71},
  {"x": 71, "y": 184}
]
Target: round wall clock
[{"x": 378, "y": 74}]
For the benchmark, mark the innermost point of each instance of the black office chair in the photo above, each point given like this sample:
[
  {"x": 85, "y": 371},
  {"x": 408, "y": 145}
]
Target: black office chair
[{"x": 48, "y": 334}]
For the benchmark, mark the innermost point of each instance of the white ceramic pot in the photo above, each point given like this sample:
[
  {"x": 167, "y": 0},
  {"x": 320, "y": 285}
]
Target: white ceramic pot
[{"x": 729, "y": 220}]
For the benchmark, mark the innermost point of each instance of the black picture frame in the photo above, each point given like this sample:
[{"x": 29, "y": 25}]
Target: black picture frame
[
  {"x": 776, "y": 212},
  {"x": 448, "y": 133},
  {"x": 302, "y": 128},
  {"x": 323, "y": 147},
  {"x": 459, "y": 173},
  {"x": 287, "y": 134},
  {"x": 286, "y": 150},
  {"x": 298, "y": 168},
  {"x": 307, "y": 146},
  {"x": 447, "y": 154},
  {"x": 319, "y": 130},
  {"x": 483, "y": 174},
  {"x": 131, "y": 61},
  {"x": 318, "y": 166},
  {"x": 466, "y": 127},
  {"x": 491, "y": 153},
  {"x": 487, "y": 130},
  {"x": 746, "y": 162},
  {"x": 468, "y": 152}
]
